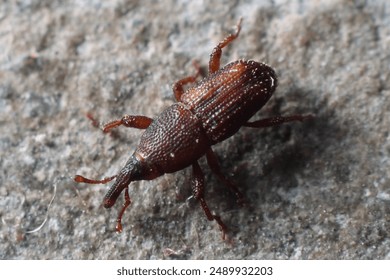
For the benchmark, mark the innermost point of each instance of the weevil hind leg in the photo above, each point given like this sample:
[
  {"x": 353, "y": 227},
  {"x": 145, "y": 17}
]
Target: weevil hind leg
[
  {"x": 214, "y": 166},
  {"x": 215, "y": 57},
  {"x": 198, "y": 193},
  {"x": 274, "y": 121}
]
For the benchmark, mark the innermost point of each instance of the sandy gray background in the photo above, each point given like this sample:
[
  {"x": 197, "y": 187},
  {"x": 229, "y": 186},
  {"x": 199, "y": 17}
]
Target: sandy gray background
[{"x": 317, "y": 190}]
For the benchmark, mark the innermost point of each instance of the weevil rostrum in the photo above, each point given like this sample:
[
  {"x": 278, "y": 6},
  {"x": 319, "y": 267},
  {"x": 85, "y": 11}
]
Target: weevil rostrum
[{"x": 205, "y": 114}]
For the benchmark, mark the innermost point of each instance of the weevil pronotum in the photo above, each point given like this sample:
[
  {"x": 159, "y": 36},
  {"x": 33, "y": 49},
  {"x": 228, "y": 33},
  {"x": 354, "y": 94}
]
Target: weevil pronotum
[{"x": 205, "y": 114}]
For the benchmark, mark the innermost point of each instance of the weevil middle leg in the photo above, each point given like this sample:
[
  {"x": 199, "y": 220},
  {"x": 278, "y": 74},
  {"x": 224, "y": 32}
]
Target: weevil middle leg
[
  {"x": 214, "y": 166},
  {"x": 198, "y": 194},
  {"x": 273, "y": 121}
]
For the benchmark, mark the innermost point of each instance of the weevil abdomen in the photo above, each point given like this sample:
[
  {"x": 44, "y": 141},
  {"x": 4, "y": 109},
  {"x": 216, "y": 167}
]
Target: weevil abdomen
[{"x": 226, "y": 99}]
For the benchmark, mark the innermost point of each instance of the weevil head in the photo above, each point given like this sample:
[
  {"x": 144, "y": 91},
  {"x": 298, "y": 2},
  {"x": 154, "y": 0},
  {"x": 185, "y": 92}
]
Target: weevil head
[{"x": 135, "y": 169}]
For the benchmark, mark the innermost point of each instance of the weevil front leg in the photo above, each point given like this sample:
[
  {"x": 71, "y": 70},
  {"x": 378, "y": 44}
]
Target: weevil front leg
[
  {"x": 178, "y": 87},
  {"x": 198, "y": 194},
  {"x": 140, "y": 122},
  {"x": 214, "y": 166},
  {"x": 215, "y": 57},
  {"x": 277, "y": 121}
]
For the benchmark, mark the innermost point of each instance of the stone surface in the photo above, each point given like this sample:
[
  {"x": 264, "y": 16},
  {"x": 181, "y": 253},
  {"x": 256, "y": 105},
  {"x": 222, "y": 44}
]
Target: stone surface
[{"x": 316, "y": 190}]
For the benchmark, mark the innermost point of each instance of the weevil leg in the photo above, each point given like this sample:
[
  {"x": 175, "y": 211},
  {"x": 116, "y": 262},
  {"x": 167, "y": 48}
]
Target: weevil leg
[
  {"x": 140, "y": 122},
  {"x": 215, "y": 57},
  {"x": 277, "y": 120},
  {"x": 81, "y": 179},
  {"x": 126, "y": 204},
  {"x": 198, "y": 194},
  {"x": 214, "y": 166},
  {"x": 178, "y": 87}
]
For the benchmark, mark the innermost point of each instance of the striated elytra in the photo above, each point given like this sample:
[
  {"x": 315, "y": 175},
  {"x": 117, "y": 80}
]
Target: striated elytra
[{"x": 207, "y": 113}]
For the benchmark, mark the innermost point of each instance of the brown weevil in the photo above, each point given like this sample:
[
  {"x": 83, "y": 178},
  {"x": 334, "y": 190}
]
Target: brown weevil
[{"x": 205, "y": 114}]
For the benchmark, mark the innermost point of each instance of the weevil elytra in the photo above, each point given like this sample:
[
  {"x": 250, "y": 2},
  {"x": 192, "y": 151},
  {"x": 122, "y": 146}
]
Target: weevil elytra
[{"x": 205, "y": 114}]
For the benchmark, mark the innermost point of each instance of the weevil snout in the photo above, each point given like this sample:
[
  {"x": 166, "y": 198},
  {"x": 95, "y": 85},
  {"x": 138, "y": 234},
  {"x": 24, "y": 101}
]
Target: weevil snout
[
  {"x": 130, "y": 172},
  {"x": 108, "y": 202},
  {"x": 135, "y": 169},
  {"x": 122, "y": 182}
]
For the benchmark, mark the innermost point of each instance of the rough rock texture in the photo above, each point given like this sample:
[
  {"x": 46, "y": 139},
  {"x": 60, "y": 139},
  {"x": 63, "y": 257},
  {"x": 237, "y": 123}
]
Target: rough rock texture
[{"x": 316, "y": 190}]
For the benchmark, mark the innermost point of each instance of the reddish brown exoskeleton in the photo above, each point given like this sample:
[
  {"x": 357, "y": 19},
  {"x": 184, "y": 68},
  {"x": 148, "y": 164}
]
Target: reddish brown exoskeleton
[{"x": 205, "y": 114}]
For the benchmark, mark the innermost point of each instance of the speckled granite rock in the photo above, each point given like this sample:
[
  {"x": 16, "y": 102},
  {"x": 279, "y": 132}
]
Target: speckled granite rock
[{"x": 316, "y": 190}]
